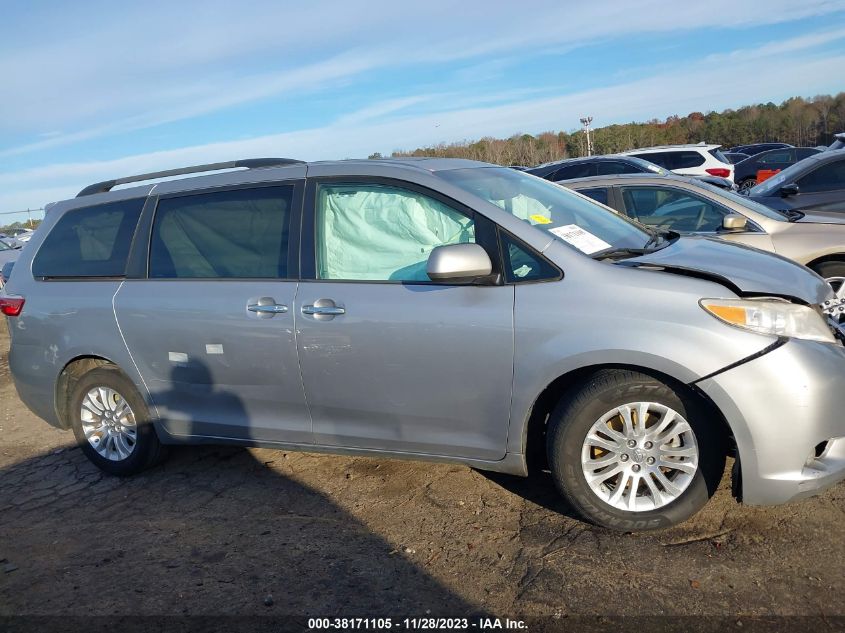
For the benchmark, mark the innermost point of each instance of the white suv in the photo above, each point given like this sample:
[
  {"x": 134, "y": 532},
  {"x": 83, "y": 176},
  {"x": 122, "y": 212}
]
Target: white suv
[{"x": 688, "y": 160}]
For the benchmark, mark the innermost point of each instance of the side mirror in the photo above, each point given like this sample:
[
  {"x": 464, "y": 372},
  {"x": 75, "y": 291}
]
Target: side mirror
[
  {"x": 789, "y": 189},
  {"x": 458, "y": 263},
  {"x": 734, "y": 222}
]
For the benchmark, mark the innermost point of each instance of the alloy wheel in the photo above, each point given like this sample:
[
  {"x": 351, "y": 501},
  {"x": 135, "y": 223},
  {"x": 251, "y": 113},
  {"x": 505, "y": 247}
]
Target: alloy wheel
[
  {"x": 640, "y": 456},
  {"x": 108, "y": 423}
]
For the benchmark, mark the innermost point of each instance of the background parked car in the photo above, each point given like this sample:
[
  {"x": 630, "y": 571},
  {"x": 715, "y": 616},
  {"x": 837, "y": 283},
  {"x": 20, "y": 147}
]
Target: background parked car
[
  {"x": 25, "y": 236},
  {"x": 688, "y": 160},
  {"x": 745, "y": 172},
  {"x": 563, "y": 170},
  {"x": 688, "y": 206},
  {"x": 7, "y": 257},
  {"x": 838, "y": 142},
  {"x": 816, "y": 183},
  {"x": 755, "y": 148},
  {"x": 594, "y": 166},
  {"x": 11, "y": 242}
]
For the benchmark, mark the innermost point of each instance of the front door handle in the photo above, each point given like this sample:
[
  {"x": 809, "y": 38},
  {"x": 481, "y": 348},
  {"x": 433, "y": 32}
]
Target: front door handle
[
  {"x": 329, "y": 310},
  {"x": 323, "y": 309}
]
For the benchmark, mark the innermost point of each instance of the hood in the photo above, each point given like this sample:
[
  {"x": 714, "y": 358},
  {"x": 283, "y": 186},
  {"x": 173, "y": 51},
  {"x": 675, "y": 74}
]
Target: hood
[
  {"x": 822, "y": 217},
  {"x": 746, "y": 270}
]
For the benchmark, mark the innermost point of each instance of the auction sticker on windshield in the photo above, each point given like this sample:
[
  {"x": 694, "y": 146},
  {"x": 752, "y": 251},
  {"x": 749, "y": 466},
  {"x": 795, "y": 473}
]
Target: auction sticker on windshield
[{"x": 583, "y": 240}]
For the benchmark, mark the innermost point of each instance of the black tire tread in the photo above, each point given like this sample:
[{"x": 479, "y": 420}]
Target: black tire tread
[{"x": 584, "y": 393}]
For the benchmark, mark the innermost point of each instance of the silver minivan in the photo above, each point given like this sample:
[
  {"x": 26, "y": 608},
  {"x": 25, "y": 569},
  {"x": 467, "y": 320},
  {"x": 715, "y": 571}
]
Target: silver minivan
[{"x": 431, "y": 309}]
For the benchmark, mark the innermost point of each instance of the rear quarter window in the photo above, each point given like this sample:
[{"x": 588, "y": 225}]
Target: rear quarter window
[{"x": 89, "y": 242}]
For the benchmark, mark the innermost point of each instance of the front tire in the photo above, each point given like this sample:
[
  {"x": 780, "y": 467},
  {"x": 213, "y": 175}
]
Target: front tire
[
  {"x": 834, "y": 274},
  {"x": 631, "y": 454},
  {"x": 111, "y": 423}
]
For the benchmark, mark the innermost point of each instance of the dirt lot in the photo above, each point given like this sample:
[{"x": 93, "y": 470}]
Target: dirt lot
[{"x": 222, "y": 530}]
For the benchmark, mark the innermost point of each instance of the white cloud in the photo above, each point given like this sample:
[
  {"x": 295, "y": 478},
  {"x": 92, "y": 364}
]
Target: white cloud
[
  {"x": 698, "y": 87},
  {"x": 99, "y": 73}
]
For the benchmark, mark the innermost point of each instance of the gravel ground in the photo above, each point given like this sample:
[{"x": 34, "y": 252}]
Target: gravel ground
[{"x": 230, "y": 531}]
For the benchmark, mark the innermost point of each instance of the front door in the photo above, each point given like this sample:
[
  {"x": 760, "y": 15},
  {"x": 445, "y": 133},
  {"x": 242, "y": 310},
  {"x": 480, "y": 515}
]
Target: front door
[
  {"x": 211, "y": 326},
  {"x": 391, "y": 360}
]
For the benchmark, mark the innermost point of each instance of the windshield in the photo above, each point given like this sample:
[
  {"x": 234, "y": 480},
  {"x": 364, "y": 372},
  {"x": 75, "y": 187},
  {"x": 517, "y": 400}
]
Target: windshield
[
  {"x": 4, "y": 246},
  {"x": 718, "y": 155},
  {"x": 746, "y": 202},
  {"x": 568, "y": 216}
]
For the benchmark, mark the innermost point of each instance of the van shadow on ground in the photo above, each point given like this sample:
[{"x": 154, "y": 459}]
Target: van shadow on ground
[{"x": 211, "y": 531}]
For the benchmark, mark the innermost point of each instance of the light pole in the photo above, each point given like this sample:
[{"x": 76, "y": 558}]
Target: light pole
[{"x": 585, "y": 121}]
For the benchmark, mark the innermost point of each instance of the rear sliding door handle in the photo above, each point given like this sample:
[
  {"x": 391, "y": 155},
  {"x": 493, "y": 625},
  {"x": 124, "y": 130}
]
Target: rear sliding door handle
[{"x": 270, "y": 309}]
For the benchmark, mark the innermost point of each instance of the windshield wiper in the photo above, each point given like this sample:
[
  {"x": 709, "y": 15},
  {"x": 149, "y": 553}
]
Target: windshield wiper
[
  {"x": 793, "y": 215},
  {"x": 620, "y": 252},
  {"x": 660, "y": 240}
]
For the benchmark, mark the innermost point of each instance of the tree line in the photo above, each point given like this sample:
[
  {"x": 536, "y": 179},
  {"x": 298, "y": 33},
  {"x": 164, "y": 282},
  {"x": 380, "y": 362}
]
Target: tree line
[{"x": 798, "y": 121}]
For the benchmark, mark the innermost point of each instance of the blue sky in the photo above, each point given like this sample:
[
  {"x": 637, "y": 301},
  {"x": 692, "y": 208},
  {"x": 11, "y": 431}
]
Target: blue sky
[{"x": 91, "y": 92}]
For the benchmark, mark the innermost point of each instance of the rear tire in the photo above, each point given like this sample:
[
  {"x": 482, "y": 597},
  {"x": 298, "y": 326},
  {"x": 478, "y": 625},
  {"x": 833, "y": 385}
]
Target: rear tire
[
  {"x": 668, "y": 464},
  {"x": 111, "y": 423},
  {"x": 746, "y": 183}
]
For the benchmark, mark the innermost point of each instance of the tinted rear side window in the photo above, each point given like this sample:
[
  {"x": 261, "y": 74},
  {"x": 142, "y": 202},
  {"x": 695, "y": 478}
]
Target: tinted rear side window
[
  {"x": 581, "y": 170},
  {"x": 89, "y": 242},
  {"x": 609, "y": 167},
  {"x": 599, "y": 194},
  {"x": 239, "y": 234},
  {"x": 685, "y": 160}
]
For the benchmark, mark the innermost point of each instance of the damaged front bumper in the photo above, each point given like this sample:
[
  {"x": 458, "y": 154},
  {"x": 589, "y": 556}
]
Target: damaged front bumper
[{"x": 787, "y": 412}]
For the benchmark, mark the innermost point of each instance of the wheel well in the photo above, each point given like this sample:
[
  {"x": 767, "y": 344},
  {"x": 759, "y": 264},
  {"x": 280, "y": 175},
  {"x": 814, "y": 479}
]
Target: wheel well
[
  {"x": 835, "y": 257},
  {"x": 68, "y": 377},
  {"x": 534, "y": 439}
]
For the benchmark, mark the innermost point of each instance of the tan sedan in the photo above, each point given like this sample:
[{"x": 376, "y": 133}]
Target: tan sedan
[{"x": 689, "y": 206}]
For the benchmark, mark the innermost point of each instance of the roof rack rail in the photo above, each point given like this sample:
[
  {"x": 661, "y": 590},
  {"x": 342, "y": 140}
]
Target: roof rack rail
[{"x": 249, "y": 163}]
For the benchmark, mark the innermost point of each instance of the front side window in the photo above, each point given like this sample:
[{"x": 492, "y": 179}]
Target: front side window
[
  {"x": 238, "y": 234},
  {"x": 829, "y": 177},
  {"x": 374, "y": 232},
  {"x": 670, "y": 208},
  {"x": 89, "y": 242},
  {"x": 564, "y": 214}
]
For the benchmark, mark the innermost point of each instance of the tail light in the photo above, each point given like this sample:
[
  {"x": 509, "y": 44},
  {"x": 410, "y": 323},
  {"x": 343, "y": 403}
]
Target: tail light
[
  {"x": 721, "y": 172},
  {"x": 11, "y": 306}
]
